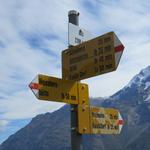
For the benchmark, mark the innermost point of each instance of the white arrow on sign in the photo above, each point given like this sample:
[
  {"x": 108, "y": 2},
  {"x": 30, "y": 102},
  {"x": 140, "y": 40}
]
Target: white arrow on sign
[
  {"x": 120, "y": 122},
  {"x": 118, "y": 46},
  {"x": 34, "y": 86}
]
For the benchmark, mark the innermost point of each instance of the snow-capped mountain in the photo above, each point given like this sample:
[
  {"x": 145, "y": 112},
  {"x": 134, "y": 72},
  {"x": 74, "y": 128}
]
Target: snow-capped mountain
[
  {"x": 141, "y": 79},
  {"x": 142, "y": 83},
  {"x": 139, "y": 85}
]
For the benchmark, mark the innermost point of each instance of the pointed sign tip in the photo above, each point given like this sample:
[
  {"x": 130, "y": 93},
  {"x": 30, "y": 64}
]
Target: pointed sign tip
[
  {"x": 119, "y": 48},
  {"x": 120, "y": 121},
  {"x": 30, "y": 85},
  {"x": 34, "y": 86}
]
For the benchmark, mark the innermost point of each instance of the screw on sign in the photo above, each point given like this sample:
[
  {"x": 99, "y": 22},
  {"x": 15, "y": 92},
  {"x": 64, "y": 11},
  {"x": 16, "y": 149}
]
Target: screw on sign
[{"x": 94, "y": 57}]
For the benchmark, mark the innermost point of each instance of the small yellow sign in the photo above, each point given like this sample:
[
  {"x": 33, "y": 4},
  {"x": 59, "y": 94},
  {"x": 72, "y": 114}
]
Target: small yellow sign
[
  {"x": 104, "y": 120},
  {"x": 94, "y": 57},
  {"x": 59, "y": 90},
  {"x": 99, "y": 120}
]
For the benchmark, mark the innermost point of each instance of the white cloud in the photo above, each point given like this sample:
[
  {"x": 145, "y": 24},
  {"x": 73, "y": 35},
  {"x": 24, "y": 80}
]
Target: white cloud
[
  {"x": 24, "y": 105},
  {"x": 3, "y": 124},
  {"x": 20, "y": 61}
]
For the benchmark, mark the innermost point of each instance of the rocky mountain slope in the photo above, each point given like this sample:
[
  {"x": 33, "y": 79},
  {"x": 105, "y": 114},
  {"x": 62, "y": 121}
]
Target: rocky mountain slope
[{"x": 51, "y": 131}]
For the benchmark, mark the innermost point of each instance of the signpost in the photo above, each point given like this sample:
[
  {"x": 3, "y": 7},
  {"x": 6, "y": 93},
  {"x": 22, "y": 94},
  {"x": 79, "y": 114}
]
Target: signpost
[
  {"x": 99, "y": 120},
  {"x": 94, "y": 57},
  {"x": 88, "y": 59},
  {"x": 59, "y": 90}
]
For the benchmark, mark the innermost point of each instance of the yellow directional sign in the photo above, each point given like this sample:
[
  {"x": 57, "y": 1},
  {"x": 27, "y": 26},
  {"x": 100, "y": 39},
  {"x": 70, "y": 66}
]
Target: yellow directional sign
[
  {"x": 99, "y": 120},
  {"x": 104, "y": 120},
  {"x": 59, "y": 90},
  {"x": 94, "y": 57}
]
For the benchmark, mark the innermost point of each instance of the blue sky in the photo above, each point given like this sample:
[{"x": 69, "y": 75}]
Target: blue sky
[{"x": 33, "y": 34}]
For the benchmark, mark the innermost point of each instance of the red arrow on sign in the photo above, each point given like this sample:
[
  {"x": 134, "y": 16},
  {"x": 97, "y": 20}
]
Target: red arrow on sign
[
  {"x": 34, "y": 86},
  {"x": 120, "y": 122},
  {"x": 119, "y": 47}
]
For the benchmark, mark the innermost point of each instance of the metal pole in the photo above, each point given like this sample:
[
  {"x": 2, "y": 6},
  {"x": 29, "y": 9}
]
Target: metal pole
[{"x": 76, "y": 138}]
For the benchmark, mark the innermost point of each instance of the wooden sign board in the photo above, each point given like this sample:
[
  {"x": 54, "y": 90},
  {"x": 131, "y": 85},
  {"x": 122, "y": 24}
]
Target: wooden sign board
[
  {"x": 59, "y": 90},
  {"x": 104, "y": 120},
  {"x": 99, "y": 120},
  {"x": 94, "y": 57}
]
